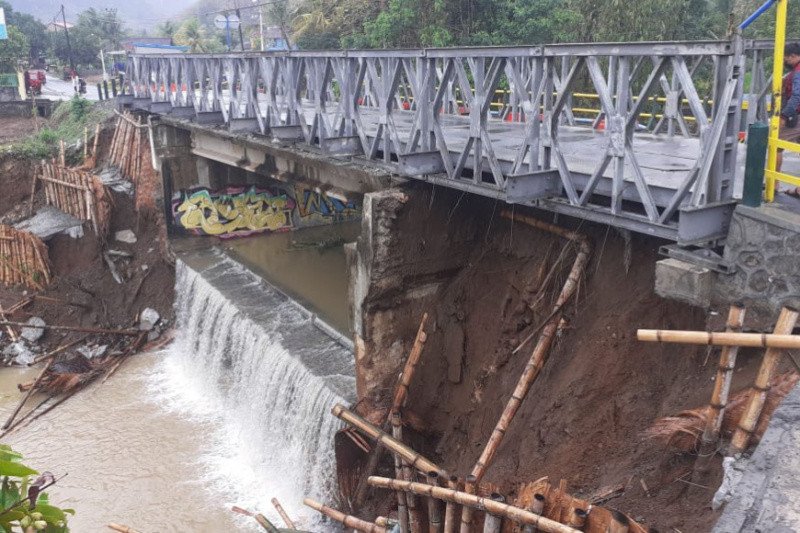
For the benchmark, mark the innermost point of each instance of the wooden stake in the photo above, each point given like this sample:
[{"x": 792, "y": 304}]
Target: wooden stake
[
  {"x": 73, "y": 328},
  {"x": 401, "y": 392},
  {"x": 96, "y": 142},
  {"x": 121, "y": 528},
  {"x": 435, "y": 506},
  {"x": 719, "y": 397},
  {"x": 402, "y": 503},
  {"x": 85, "y": 142},
  {"x": 741, "y": 438},
  {"x": 476, "y": 502},
  {"x": 33, "y": 189},
  {"x": 450, "y": 509},
  {"x": 347, "y": 520},
  {"x": 750, "y": 340}
]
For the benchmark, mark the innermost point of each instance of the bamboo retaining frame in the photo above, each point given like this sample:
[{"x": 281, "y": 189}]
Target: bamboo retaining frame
[
  {"x": 285, "y": 517},
  {"x": 78, "y": 193},
  {"x": 474, "y": 502},
  {"x": 127, "y": 151},
  {"x": 24, "y": 259},
  {"x": 741, "y": 438}
]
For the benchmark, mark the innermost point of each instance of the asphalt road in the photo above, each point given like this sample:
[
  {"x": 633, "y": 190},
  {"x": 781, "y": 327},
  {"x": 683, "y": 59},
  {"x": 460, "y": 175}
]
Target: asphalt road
[{"x": 58, "y": 89}]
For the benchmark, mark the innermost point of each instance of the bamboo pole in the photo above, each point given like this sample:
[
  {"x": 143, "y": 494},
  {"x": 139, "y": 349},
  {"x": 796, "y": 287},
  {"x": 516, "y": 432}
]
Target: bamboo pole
[
  {"x": 51, "y": 353},
  {"x": 401, "y": 392},
  {"x": 96, "y": 142},
  {"x": 719, "y": 397},
  {"x": 11, "y": 333},
  {"x": 62, "y": 153},
  {"x": 33, "y": 189},
  {"x": 27, "y": 395},
  {"x": 536, "y": 507},
  {"x": 402, "y": 500},
  {"x": 72, "y": 328},
  {"x": 264, "y": 523},
  {"x": 539, "y": 354},
  {"x": 741, "y": 438},
  {"x": 411, "y": 457},
  {"x": 749, "y": 340},
  {"x": 347, "y": 520},
  {"x": 492, "y": 523},
  {"x": 85, "y": 142},
  {"x": 121, "y": 528},
  {"x": 434, "y": 506},
  {"x": 476, "y": 502},
  {"x": 450, "y": 509},
  {"x": 285, "y": 517},
  {"x": 619, "y": 523}
]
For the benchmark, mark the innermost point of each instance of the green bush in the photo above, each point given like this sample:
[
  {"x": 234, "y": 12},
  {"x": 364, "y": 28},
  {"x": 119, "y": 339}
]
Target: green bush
[{"x": 67, "y": 123}]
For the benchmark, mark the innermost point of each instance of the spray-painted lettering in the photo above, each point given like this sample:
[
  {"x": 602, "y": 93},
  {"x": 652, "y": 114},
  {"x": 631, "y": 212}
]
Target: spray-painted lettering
[
  {"x": 328, "y": 206},
  {"x": 233, "y": 212}
]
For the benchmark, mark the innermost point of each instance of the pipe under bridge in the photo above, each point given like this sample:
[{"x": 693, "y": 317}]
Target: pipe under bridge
[{"x": 641, "y": 135}]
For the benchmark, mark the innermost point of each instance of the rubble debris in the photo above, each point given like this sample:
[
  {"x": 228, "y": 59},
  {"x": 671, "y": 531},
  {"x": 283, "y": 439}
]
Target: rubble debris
[
  {"x": 33, "y": 334},
  {"x": 18, "y": 353},
  {"x": 23, "y": 259},
  {"x": 148, "y": 319},
  {"x": 127, "y": 236}
]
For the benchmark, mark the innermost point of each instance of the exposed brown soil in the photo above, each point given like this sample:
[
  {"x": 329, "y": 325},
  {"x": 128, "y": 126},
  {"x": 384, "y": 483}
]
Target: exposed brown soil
[
  {"x": 12, "y": 128},
  {"x": 584, "y": 418},
  {"x": 80, "y": 273}
]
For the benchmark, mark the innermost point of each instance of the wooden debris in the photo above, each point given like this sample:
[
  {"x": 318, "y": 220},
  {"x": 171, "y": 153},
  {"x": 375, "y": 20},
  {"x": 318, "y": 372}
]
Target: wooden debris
[
  {"x": 121, "y": 528},
  {"x": 24, "y": 399},
  {"x": 603, "y": 494},
  {"x": 348, "y": 520},
  {"x": 24, "y": 259},
  {"x": 128, "y": 146},
  {"x": 73, "y": 328},
  {"x": 285, "y": 517}
]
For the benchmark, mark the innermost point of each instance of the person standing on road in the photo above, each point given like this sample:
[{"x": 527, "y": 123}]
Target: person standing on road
[{"x": 790, "y": 99}]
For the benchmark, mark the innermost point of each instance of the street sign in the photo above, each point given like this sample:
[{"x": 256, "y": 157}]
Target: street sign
[
  {"x": 231, "y": 22},
  {"x": 3, "y": 29}
]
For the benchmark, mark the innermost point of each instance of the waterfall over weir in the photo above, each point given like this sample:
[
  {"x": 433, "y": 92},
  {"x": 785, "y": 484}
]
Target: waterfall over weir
[{"x": 251, "y": 357}]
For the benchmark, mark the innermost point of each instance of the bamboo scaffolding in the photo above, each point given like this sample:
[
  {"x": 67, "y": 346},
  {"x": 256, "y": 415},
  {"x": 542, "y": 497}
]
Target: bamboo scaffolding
[
  {"x": 749, "y": 340},
  {"x": 487, "y": 505},
  {"x": 23, "y": 258},
  {"x": 402, "y": 500},
  {"x": 538, "y": 355},
  {"x": 285, "y": 517},
  {"x": 747, "y": 424},
  {"x": 348, "y": 520},
  {"x": 536, "y": 507},
  {"x": 719, "y": 397},
  {"x": 414, "y": 459},
  {"x": 401, "y": 392}
]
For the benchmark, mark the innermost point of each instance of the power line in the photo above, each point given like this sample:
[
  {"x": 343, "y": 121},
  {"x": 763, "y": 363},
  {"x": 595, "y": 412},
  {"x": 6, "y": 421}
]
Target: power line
[{"x": 270, "y": 3}]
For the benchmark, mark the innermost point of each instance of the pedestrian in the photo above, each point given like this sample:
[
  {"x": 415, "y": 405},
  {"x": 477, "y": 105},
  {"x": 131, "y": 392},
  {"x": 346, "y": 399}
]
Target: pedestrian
[{"x": 790, "y": 99}]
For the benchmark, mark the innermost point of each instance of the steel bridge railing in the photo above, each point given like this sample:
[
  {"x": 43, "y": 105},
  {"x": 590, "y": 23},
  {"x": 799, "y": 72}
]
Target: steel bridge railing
[{"x": 434, "y": 114}]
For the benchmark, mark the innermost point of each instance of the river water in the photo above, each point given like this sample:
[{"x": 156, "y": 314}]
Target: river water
[{"x": 234, "y": 412}]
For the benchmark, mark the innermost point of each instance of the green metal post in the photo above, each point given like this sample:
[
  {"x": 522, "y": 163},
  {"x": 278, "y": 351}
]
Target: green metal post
[{"x": 754, "y": 164}]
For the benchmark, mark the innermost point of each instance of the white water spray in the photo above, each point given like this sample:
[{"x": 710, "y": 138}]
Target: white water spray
[{"x": 253, "y": 364}]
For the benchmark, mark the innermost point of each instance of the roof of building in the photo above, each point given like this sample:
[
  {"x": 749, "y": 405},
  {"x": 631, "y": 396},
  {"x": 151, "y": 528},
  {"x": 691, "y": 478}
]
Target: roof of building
[{"x": 146, "y": 40}]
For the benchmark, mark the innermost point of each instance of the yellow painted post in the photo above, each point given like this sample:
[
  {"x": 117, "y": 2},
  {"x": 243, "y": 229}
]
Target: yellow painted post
[{"x": 777, "y": 87}]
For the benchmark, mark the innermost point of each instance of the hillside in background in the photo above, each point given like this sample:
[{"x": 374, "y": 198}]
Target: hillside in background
[{"x": 139, "y": 15}]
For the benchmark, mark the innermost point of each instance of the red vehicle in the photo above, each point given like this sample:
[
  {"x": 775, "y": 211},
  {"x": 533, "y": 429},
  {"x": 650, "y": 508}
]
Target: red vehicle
[{"x": 34, "y": 79}]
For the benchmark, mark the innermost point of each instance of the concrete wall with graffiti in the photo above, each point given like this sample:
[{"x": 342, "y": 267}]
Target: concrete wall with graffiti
[{"x": 249, "y": 209}]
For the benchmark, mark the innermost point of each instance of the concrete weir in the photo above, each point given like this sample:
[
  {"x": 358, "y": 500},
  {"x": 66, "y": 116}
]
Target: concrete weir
[{"x": 268, "y": 362}]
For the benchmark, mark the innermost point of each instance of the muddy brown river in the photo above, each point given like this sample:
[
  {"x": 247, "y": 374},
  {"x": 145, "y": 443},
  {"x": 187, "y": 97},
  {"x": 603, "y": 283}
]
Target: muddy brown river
[{"x": 234, "y": 412}]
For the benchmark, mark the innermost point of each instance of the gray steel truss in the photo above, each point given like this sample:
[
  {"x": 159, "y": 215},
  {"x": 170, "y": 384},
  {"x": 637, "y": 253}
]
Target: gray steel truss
[{"x": 658, "y": 157}]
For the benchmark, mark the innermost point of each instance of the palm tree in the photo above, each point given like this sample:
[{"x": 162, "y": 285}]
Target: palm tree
[
  {"x": 193, "y": 35},
  {"x": 167, "y": 29}
]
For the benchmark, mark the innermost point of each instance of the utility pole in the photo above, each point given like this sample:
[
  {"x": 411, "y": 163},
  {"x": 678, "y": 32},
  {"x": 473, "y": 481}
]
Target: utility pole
[
  {"x": 66, "y": 33},
  {"x": 241, "y": 37},
  {"x": 261, "y": 26}
]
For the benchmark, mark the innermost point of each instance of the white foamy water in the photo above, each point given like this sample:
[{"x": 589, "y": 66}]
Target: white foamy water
[{"x": 250, "y": 364}]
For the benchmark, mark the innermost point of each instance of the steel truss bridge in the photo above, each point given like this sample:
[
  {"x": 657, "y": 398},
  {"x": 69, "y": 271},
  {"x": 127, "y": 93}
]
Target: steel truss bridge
[{"x": 659, "y": 156}]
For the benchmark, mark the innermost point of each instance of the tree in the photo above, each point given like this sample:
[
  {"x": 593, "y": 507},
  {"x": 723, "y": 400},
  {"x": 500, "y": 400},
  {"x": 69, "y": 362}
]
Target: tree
[
  {"x": 167, "y": 29},
  {"x": 34, "y": 31},
  {"x": 13, "y": 50},
  {"x": 197, "y": 38}
]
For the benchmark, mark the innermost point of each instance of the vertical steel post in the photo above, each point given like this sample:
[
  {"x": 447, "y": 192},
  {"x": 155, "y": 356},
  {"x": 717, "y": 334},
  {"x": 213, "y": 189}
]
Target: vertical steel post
[
  {"x": 757, "y": 137},
  {"x": 777, "y": 78}
]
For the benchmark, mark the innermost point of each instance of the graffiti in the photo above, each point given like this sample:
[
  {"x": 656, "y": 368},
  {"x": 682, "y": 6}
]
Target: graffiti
[
  {"x": 233, "y": 212},
  {"x": 327, "y": 206}
]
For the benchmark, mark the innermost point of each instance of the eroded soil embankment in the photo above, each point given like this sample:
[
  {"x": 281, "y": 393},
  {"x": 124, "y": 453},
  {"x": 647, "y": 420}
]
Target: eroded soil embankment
[
  {"x": 583, "y": 419},
  {"x": 80, "y": 273}
]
